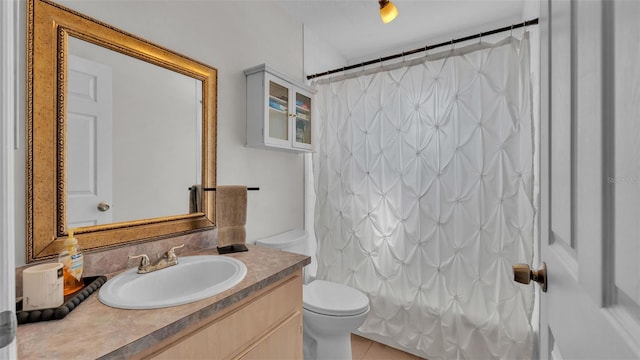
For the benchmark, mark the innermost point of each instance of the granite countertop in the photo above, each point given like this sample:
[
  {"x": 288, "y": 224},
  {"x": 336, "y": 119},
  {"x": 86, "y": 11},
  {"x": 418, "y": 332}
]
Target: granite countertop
[{"x": 94, "y": 330}]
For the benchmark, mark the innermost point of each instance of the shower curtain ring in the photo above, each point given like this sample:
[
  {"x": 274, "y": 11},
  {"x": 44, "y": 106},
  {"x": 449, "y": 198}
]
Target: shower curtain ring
[{"x": 452, "y": 47}]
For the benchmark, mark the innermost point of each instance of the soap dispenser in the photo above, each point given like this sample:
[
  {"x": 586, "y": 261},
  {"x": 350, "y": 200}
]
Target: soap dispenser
[{"x": 73, "y": 263}]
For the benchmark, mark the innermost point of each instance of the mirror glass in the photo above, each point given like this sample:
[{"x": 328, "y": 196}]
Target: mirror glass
[
  {"x": 121, "y": 136},
  {"x": 133, "y": 137}
]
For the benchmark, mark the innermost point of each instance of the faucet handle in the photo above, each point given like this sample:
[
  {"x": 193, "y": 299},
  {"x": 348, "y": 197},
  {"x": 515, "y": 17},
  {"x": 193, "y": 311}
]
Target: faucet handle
[
  {"x": 171, "y": 255},
  {"x": 144, "y": 262}
]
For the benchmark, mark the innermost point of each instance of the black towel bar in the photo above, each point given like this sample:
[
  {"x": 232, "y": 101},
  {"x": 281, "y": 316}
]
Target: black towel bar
[
  {"x": 214, "y": 189},
  {"x": 248, "y": 189}
]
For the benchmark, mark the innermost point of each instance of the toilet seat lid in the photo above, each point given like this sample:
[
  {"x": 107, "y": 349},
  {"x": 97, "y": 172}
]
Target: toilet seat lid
[{"x": 330, "y": 298}]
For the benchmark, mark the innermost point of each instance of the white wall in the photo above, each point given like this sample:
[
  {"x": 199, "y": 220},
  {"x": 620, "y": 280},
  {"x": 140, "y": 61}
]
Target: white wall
[
  {"x": 229, "y": 36},
  {"x": 19, "y": 176}
]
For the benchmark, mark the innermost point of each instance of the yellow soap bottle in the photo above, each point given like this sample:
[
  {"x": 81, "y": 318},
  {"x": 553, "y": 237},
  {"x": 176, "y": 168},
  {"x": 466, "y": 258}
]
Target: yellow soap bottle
[{"x": 73, "y": 263}]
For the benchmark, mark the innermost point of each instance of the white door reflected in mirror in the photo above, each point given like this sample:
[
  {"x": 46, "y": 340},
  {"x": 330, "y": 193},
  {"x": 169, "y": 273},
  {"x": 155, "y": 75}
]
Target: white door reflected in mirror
[
  {"x": 134, "y": 137},
  {"x": 89, "y": 142}
]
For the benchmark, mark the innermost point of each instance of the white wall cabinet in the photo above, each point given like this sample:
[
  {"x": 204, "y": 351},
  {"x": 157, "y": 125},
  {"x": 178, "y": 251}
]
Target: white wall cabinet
[{"x": 278, "y": 111}]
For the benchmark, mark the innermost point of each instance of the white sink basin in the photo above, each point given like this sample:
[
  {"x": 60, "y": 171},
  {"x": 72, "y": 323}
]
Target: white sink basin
[{"x": 193, "y": 278}]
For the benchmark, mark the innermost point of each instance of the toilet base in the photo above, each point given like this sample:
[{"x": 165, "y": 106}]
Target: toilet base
[
  {"x": 329, "y": 337},
  {"x": 338, "y": 348}
]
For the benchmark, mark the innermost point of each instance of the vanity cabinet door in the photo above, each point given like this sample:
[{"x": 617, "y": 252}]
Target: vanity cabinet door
[
  {"x": 268, "y": 323},
  {"x": 285, "y": 342}
]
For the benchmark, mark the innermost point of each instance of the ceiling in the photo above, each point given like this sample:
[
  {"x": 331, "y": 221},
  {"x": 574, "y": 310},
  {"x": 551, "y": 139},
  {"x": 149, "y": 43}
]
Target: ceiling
[{"x": 354, "y": 28}]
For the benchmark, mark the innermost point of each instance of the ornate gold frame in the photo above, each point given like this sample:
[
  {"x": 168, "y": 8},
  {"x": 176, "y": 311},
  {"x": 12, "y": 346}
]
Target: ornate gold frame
[{"x": 48, "y": 28}]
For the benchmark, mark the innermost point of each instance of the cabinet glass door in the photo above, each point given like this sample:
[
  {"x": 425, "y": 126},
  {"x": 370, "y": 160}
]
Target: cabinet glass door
[
  {"x": 278, "y": 111},
  {"x": 303, "y": 120}
]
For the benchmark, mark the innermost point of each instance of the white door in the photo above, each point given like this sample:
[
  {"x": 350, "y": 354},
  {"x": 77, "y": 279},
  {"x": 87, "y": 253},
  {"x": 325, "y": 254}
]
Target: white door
[
  {"x": 590, "y": 179},
  {"x": 89, "y": 143},
  {"x": 8, "y": 144}
]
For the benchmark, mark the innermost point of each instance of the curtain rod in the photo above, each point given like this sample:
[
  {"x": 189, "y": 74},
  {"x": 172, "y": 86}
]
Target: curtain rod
[
  {"x": 214, "y": 189},
  {"x": 426, "y": 48}
]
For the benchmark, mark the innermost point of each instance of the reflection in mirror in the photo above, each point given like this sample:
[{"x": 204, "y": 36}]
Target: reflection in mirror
[
  {"x": 133, "y": 137},
  {"x": 152, "y": 140}
]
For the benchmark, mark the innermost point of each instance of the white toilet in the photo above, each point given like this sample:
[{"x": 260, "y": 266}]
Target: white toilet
[{"x": 331, "y": 311}]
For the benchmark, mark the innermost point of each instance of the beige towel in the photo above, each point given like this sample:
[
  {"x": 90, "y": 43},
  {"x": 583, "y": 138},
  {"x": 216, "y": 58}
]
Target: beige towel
[{"x": 231, "y": 214}]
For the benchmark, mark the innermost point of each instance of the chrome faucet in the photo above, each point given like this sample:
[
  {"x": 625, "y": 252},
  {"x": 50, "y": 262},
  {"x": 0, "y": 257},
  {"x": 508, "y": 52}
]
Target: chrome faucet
[{"x": 167, "y": 259}]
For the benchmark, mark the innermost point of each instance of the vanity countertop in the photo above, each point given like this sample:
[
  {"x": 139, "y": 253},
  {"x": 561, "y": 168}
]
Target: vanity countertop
[{"x": 94, "y": 330}]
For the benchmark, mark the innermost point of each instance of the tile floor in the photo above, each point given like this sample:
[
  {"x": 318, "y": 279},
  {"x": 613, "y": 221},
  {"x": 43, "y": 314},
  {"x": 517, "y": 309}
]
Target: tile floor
[{"x": 365, "y": 349}]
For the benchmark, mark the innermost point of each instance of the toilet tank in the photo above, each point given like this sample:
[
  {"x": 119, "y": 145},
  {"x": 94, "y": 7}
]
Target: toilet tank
[{"x": 294, "y": 241}]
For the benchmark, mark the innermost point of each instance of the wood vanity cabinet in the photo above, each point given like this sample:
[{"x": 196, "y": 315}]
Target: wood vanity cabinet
[
  {"x": 267, "y": 325},
  {"x": 278, "y": 111}
]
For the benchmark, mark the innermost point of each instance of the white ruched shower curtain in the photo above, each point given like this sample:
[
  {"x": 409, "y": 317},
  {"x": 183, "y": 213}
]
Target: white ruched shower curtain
[{"x": 424, "y": 185}]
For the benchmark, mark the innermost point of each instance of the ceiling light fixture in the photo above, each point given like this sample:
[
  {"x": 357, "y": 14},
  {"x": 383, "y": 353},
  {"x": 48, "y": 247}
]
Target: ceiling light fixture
[{"x": 388, "y": 11}]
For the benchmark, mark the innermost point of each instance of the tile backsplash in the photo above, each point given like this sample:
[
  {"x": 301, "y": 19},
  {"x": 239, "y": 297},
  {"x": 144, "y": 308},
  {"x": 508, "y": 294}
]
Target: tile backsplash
[{"x": 117, "y": 259}]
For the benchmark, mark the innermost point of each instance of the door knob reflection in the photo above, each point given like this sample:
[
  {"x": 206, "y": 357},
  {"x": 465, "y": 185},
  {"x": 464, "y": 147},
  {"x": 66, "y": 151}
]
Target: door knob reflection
[{"x": 103, "y": 206}]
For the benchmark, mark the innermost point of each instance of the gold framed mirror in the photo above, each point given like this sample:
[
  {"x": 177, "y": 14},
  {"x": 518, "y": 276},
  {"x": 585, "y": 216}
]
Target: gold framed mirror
[{"x": 52, "y": 152}]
